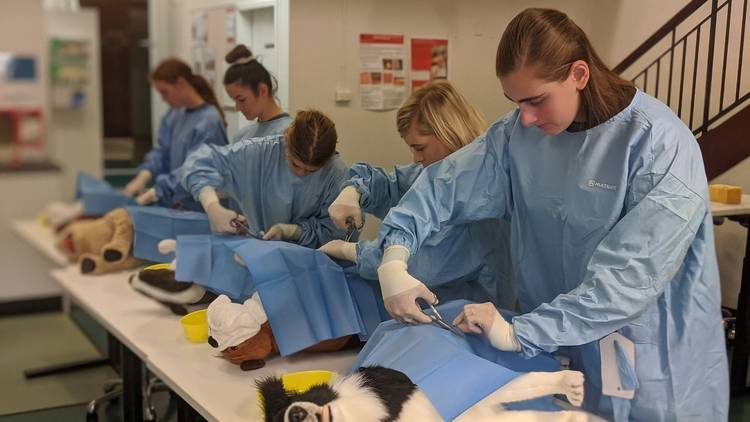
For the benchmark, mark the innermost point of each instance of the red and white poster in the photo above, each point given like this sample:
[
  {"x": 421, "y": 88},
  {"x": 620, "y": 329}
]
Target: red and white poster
[
  {"x": 429, "y": 60},
  {"x": 382, "y": 76}
]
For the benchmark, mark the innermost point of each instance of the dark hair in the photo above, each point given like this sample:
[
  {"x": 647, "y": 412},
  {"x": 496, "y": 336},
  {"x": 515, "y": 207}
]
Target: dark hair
[
  {"x": 170, "y": 70},
  {"x": 250, "y": 74},
  {"x": 311, "y": 138},
  {"x": 547, "y": 41}
]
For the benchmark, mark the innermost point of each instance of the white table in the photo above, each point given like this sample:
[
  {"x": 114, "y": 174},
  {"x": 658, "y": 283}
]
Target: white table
[
  {"x": 217, "y": 389},
  {"x": 741, "y": 354},
  {"x": 41, "y": 237}
]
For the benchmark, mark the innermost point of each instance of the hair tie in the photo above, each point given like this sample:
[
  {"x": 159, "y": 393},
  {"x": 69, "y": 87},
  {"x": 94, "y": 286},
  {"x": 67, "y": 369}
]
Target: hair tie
[{"x": 243, "y": 60}]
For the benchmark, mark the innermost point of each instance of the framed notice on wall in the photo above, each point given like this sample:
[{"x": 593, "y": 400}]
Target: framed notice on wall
[
  {"x": 429, "y": 60},
  {"x": 382, "y": 73},
  {"x": 213, "y": 35}
]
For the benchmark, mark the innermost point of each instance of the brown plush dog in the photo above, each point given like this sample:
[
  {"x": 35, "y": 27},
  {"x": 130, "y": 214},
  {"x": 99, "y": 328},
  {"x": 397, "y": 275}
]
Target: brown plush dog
[
  {"x": 100, "y": 246},
  {"x": 243, "y": 335}
]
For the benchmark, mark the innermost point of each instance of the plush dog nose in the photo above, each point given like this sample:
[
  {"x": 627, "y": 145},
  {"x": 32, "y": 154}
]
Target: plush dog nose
[{"x": 297, "y": 414}]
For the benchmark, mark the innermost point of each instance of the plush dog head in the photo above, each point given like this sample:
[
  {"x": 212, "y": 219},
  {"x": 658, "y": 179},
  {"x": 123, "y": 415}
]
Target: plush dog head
[
  {"x": 100, "y": 246},
  {"x": 372, "y": 394},
  {"x": 241, "y": 331}
]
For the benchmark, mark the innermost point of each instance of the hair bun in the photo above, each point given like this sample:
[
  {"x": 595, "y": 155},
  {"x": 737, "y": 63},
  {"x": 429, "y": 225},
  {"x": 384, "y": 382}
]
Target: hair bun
[{"x": 240, "y": 54}]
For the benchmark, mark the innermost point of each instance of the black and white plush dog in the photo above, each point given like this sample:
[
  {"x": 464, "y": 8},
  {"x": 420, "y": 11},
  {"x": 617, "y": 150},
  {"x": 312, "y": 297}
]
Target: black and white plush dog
[{"x": 372, "y": 394}]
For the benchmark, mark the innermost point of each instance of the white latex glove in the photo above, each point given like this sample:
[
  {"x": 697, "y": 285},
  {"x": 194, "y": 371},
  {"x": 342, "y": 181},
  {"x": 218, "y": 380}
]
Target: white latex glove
[
  {"x": 290, "y": 232},
  {"x": 484, "y": 319},
  {"x": 346, "y": 206},
  {"x": 138, "y": 183},
  {"x": 400, "y": 290},
  {"x": 148, "y": 197},
  {"x": 219, "y": 217},
  {"x": 340, "y": 249}
]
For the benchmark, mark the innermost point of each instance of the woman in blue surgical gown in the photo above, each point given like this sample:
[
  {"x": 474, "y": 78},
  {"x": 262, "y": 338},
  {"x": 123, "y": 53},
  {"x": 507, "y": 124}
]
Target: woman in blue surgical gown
[
  {"x": 283, "y": 184},
  {"x": 252, "y": 88},
  {"x": 465, "y": 261},
  {"x": 194, "y": 119},
  {"x": 611, "y": 230}
]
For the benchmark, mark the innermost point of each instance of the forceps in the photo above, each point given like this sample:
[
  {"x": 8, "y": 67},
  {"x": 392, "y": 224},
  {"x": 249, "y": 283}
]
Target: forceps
[
  {"x": 437, "y": 318},
  {"x": 243, "y": 229}
]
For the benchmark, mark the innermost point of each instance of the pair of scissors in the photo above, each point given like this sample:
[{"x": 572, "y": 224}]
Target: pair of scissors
[
  {"x": 437, "y": 318},
  {"x": 351, "y": 228},
  {"x": 243, "y": 229}
]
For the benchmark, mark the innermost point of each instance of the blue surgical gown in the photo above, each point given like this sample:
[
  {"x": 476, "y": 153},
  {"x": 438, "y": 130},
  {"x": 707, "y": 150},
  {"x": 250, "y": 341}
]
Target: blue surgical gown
[
  {"x": 611, "y": 231},
  {"x": 274, "y": 126},
  {"x": 255, "y": 173},
  {"x": 465, "y": 261},
  {"x": 181, "y": 131}
]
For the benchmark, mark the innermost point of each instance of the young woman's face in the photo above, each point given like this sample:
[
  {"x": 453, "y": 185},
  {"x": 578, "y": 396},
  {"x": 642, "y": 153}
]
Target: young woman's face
[
  {"x": 299, "y": 168},
  {"x": 550, "y": 106},
  {"x": 170, "y": 93},
  {"x": 426, "y": 149},
  {"x": 245, "y": 100}
]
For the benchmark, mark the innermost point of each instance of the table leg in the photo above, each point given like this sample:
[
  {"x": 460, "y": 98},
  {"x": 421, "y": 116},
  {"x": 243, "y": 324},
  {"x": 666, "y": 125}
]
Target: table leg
[
  {"x": 741, "y": 351},
  {"x": 132, "y": 380}
]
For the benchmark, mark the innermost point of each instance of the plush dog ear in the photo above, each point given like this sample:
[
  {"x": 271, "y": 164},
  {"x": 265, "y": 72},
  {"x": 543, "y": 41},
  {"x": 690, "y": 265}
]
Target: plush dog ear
[{"x": 275, "y": 398}]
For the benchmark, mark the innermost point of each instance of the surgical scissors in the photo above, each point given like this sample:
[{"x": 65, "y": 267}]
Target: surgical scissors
[
  {"x": 350, "y": 229},
  {"x": 437, "y": 318}
]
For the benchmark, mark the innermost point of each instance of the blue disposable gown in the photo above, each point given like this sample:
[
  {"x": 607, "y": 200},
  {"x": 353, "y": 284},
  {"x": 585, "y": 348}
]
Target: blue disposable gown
[
  {"x": 255, "y": 173},
  {"x": 274, "y": 126},
  {"x": 181, "y": 131},
  {"x": 465, "y": 261},
  {"x": 611, "y": 230}
]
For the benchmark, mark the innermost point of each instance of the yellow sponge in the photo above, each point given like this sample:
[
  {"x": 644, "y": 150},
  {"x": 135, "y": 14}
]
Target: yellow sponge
[{"x": 726, "y": 194}]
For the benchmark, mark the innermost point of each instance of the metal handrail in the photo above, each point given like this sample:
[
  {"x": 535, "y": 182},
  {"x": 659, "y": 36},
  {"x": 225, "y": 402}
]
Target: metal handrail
[{"x": 693, "y": 37}]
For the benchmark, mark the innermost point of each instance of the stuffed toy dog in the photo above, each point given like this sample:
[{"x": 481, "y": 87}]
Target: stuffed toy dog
[
  {"x": 378, "y": 394},
  {"x": 243, "y": 335},
  {"x": 100, "y": 246}
]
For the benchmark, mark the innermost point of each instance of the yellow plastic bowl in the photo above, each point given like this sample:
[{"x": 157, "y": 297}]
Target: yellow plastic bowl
[
  {"x": 195, "y": 325},
  {"x": 153, "y": 267},
  {"x": 302, "y": 381}
]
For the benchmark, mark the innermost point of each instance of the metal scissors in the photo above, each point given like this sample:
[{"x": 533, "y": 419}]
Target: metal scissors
[
  {"x": 437, "y": 318},
  {"x": 243, "y": 229},
  {"x": 351, "y": 228}
]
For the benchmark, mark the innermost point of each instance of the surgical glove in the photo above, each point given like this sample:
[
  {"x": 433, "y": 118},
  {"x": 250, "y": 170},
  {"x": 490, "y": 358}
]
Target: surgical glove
[
  {"x": 340, "y": 249},
  {"x": 484, "y": 319},
  {"x": 400, "y": 290},
  {"x": 291, "y": 232},
  {"x": 346, "y": 206},
  {"x": 148, "y": 197},
  {"x": 219, "y": 217},
  {"x": 138, "y": 183}
]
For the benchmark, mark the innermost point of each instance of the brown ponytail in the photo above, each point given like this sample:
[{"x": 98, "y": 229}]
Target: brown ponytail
[
  {"x": 170, "y": 70},
  {"x": 548, "y": 42}
]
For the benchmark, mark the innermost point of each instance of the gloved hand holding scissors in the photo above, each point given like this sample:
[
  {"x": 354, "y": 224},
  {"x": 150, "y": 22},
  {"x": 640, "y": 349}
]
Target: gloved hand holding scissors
[
  {"x": 400, "y": 290},
  {"x": 484, "y": 319},
  {"x": 345, "y": 208},
  {"x": 221, "y": 219}
]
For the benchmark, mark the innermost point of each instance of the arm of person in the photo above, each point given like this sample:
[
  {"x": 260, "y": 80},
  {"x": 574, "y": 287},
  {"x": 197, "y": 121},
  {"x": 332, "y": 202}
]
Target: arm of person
[
  {"x": 380, "y": 190},
  {"x": 634, "y": 263},
  {"x": 471, "y": 184},
  {"x": 155, "y": 160},
  {"x": 319, "y": 229}
]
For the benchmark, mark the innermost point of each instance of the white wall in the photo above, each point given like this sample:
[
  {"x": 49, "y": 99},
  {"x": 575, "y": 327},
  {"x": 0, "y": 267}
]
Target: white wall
[{"x": 75, "y": 136}]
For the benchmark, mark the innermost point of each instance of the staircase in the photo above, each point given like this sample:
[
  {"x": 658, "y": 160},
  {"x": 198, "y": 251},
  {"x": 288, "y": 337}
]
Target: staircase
[{"x": 694, "y": 64}]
